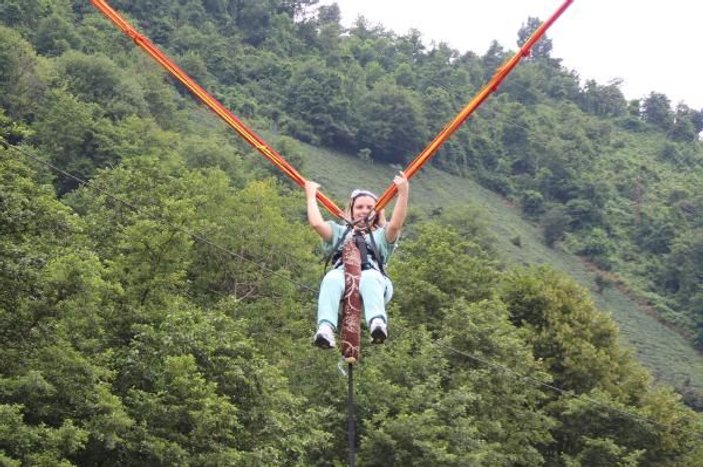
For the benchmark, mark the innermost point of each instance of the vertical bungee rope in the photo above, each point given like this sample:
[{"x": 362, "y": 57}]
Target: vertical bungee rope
[
  {"x": 350, "y": 335},
  {"x": 482, "y": 95},
  {"x": 213, "y": 104},
  {"x": 350, "y": 416}
]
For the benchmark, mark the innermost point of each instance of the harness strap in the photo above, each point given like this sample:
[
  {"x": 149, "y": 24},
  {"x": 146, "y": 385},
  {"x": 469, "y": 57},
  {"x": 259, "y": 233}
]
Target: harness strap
[
  {"x": 337, "y": 247},
  {"x": 335, "y": 255},
  {"x": 360, "y": 242},
  {"x": 374, "y": 251}
]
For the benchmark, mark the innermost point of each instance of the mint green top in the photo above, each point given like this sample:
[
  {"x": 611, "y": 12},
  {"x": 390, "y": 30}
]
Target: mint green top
[{"x": 385, "y": 249}]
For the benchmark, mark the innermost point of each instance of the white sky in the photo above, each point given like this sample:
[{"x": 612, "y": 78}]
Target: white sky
[{"x": 651, "y": 45}]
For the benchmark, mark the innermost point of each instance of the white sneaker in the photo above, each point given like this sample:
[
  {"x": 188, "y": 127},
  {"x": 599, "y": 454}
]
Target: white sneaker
[
  {"x": 379, "y": 331},
  {"x": 324, "y": 337}
]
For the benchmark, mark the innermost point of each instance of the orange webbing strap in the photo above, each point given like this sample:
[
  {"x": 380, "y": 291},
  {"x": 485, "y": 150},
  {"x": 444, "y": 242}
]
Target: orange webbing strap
[
  {"x": 483, "y": 94},
  {"x": 249, "y": 136}
]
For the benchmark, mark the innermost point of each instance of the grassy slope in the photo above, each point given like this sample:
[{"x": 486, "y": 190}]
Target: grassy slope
[{"x": 668, "y": 356}]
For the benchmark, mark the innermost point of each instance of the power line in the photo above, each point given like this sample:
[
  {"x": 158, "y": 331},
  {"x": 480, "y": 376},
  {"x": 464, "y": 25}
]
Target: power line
[
  {"x": 195, "y": 236},
  {"x": 402, "y": 329},
  {"x": 536, "y": 381}
]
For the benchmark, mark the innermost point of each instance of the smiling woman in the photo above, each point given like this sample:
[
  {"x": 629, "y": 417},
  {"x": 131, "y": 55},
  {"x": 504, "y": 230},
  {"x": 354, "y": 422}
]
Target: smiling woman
[{"x": 375, "y": 240}]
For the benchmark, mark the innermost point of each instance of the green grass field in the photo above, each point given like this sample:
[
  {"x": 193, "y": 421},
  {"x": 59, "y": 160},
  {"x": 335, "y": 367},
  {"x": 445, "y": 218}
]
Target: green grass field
[{"x": 666, "y": 353}]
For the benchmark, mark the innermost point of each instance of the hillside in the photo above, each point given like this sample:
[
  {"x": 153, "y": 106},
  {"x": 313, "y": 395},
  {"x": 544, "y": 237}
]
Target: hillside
[
  {"x": 665, "y": 352},
  {"x": 158, "y": 280}
]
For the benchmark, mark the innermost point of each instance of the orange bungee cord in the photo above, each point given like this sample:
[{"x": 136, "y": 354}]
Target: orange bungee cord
[
  {"x": 482, "y": 95},
  {"x": 246, "y": 133}
]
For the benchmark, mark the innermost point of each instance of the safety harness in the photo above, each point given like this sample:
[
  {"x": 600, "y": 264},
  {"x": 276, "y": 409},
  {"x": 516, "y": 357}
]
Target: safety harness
[{"x": 366, "y": 249}]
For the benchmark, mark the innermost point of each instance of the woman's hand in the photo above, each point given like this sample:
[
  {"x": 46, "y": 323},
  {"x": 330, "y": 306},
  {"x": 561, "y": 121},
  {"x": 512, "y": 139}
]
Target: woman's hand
[
  {"x": 314, "y": 215},
  {"x": 311, "y": 188},
  {"x": 401, "y": 206},
  {"x": 401, "y": 183}
]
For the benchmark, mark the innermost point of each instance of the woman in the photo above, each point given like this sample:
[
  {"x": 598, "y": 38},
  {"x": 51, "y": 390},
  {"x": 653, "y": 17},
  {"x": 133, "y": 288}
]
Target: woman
[{"x": 375, "y": 288}]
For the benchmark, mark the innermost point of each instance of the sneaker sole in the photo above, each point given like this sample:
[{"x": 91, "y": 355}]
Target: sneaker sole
[
  {"x": 378, "y": 336},
  {"x": 322, "y": 343}
]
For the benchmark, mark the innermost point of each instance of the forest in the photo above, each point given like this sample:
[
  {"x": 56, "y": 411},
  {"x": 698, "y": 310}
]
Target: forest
[{"x": 158, "y": 279}]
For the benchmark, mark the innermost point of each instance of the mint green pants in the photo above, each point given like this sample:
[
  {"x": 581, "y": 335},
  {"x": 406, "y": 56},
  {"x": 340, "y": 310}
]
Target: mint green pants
[{"x": 376, "y": 290}]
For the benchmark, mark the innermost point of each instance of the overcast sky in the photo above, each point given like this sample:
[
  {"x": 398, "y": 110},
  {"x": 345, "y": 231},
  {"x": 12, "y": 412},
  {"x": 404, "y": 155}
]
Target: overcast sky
[{"x": 651, "y": 46}]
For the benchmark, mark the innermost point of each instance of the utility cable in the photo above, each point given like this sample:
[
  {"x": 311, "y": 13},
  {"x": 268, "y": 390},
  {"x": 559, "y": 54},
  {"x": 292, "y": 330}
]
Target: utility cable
[
  {"x": 350, "y": 416},
  {"x": 195, "y": 236},
  {"x": 401, "y": 329},
  {"x": 538, "y": 382}
]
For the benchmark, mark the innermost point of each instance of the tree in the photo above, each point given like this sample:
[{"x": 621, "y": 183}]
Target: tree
[
  {"x": 97, "y": 80},
  {"x": 315, "y": 94},
  {"x": 493, "y": 58},
  {"x": 11, "y": 131},
  {"x": 438, "y": 267},
  {"x": 579, "y": 345},
  {"x": 22, "y": 15},
  {"x": 106, "y": 360},
  {"x": 75, "y": 136},
  {"x": 554, "y": 224},
  {"x": 532, "y": 203},
  {"x": 21, "y": 84},
  {"x": 392, "y": 123},
  {"x": 457, "y": 413},
  {"x": 33, "y": 225},
  {"x": 54, "y": 398},
  {"x": 253, "y": 19},
  {"x": 656, "y": 110},
  {"x": 295, "y": 8},
  {"x": 543, "y": 47},
  {"x": 681, "y": 275},
  {"x": 526, "y": 84},
  {"x": 329, "y": 14},
  {"x": 687, "y": 124},
  {"x": 55, "y": 35},
  {"x": 607, "y": 101}
]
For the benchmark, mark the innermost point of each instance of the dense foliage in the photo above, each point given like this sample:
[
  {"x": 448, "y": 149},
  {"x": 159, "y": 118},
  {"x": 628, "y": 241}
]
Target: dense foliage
[
  {"x": 617, "y": 182},
  {"x": 161, "y": 314}
]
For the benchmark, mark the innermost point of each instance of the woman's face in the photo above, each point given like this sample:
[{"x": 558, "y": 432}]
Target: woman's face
[{"x": 362, "y": 206}]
